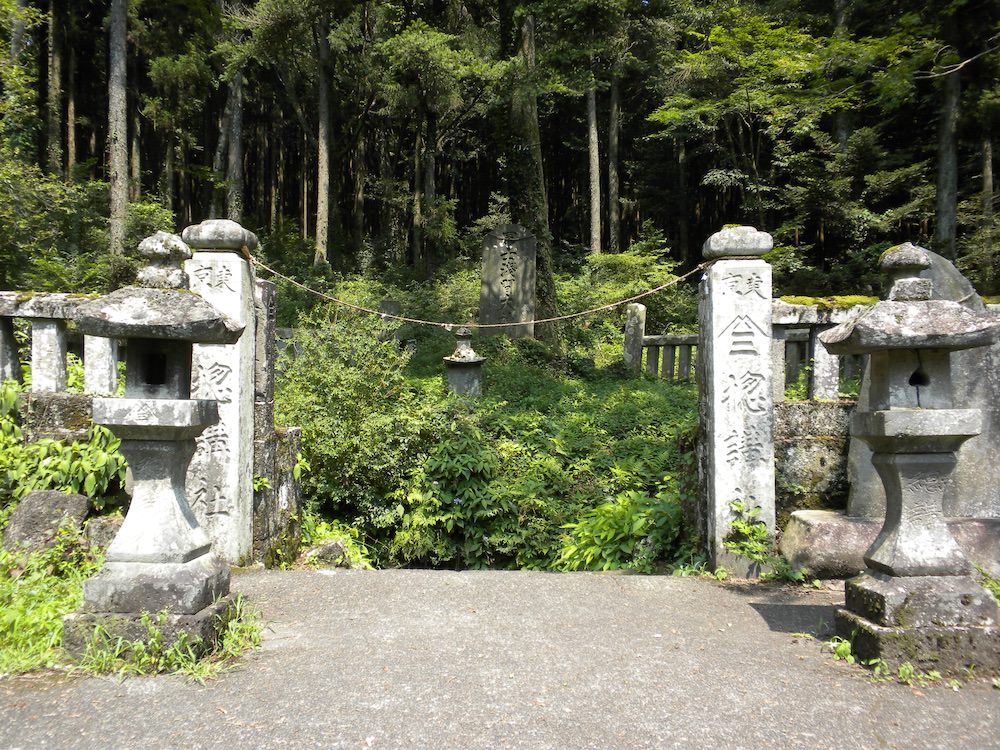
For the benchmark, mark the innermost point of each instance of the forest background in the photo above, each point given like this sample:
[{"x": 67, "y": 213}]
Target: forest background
[{"x": 388, "y": 137}]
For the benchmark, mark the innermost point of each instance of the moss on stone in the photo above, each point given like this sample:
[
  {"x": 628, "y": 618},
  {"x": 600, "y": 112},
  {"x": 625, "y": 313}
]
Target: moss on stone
[{"x": 837, "y": 301}]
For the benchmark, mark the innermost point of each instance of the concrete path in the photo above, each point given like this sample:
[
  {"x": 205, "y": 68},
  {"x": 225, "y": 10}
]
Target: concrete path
[{"x": 426, "y": 659}]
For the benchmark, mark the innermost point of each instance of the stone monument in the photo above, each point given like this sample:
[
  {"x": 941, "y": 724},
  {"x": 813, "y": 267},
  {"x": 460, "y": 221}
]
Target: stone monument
[
  {"x": 161, "y": 559},
  {"x": 220, "y": 479},
  {"x": 736, "y": 459},
  {"x": 508, "y": 290},
  {"x": 916, "y": 601}
]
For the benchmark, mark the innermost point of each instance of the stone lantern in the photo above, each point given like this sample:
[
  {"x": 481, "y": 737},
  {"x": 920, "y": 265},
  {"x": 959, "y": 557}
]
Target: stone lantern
[
  {"x": 465, "y": 367},
  {"x": 161, "y": 559},
  {"x": 917, "y": 601}
]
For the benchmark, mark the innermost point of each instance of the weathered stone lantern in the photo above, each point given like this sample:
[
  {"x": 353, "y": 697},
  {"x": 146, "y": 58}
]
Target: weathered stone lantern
[
  {"x": 161, "y": 559},
  {"x": 917, "y": 601},
  {"x": 465, "y": 367}
]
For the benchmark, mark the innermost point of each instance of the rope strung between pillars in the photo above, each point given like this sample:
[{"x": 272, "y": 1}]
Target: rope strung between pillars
[{"x": 449, "y": 326}]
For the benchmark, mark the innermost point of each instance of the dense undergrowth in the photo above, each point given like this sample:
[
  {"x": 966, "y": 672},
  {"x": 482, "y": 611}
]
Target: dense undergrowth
[
  {"x": 559, "y": 465},
  {"x": 565, "y": 463}
]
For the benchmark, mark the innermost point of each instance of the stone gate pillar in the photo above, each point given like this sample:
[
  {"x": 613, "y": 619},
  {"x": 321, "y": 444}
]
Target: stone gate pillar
[
  {"x": 220, "y": 479},
  {"x": 736, "y": 402}
]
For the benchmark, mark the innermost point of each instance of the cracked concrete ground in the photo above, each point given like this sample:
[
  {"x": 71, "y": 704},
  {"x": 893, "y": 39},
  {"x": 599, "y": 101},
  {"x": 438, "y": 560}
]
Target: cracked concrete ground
[{"x": 433, "y": 659}]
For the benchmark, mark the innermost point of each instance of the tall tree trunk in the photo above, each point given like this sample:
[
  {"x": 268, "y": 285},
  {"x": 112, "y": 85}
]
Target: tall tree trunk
[
  {"x": 430, "y": 182},
  {"x": 220, "y": 156},
  {"x": 184, "y": 203},
  {"x": 525, "y": 176},
  {"x": 323, "y": 151},
  {"x": 417, "y": 223},
  {"x": 117, "y": 128},
  {"x": 594, "y": 167},
  {"x": 842, "y": 120},
  {"x": 53, "y": 142},
  {"x": 614, "y": 125},
  {"x": 358, "y": 199},
  {"x": 304, "y": 196},
  {"x": 71, "y": 112},
  {"x": 682, "y": 202},
  {"x": 167, "y": 176},
  {"x": 234, "y": 161},
  {"x": 947, "y": 167},
  {"x": 989, "y": 265},
  {"x": 387, "y": 215},
  {"x": 277, "y": 178},
  {"x": 135, "y": 160},
  {"x": 17, "y": 32}
]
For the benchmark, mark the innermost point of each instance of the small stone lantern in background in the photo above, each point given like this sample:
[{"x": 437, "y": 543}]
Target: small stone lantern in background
[
  {"x": 464, "y": 367},
  {"x": 917, "y": 601},
  {"x": 161, "y": 559}
]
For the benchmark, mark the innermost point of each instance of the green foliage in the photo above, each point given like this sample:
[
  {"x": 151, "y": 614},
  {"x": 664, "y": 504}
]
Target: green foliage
[
  {"x": 239, "y": 631},
  {"x": 987, "y": 581},
  {"x": 53, "y": 233},
  {"x": 748, "y": 538},
  {"x": 426, "y": 478},
  {"x": 798, "y": 390},
  {"x": 36, "y": 591},
  {"x": 363, "y": 423},
  {"x": 316, "y": 530},
  {"x": 841, "y": 649},
  {"x": 632, "y": 532},
  {"x": 93, "y": 467}
]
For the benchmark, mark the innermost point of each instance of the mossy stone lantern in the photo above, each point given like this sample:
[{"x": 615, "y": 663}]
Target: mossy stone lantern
[
  {"x": 916, "y": 601},
  {"x": 161, "y": 559}
]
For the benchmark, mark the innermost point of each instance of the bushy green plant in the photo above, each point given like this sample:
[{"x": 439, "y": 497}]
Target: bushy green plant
[
  {"x": 316, "y": 530},
  {"x": 631, "y": 531},
  {"x": 93, "y": 467},
  {"x": 364, "y": 424}
]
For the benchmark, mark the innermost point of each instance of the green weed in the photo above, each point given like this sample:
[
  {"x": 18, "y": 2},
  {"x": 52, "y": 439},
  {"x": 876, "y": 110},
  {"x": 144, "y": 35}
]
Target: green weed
[
  {"x": 239, "y": 631},
  {"x": 36, "y": 591},
  {"x": 749, "y": 538}
]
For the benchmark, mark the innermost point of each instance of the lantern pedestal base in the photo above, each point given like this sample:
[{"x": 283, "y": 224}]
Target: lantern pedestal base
[
  {"x": 201, "y": 630},
  {"x": 942, "y": 623}
]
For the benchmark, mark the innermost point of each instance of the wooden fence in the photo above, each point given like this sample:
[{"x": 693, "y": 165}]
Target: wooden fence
[{"x": 794, "y": 347}]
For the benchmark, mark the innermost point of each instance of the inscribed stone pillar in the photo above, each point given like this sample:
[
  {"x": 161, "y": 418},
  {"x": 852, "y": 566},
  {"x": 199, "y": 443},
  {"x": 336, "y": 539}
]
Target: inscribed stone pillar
[
  {"x": 508, "y": 290},
  {"x": 736, "y": 408},
  {"x": 220, "y": 480},
  {"x": 48, "y": 356}
]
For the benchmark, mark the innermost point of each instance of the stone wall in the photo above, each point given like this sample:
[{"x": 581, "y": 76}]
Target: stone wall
[{"x": 810, "y": 454}]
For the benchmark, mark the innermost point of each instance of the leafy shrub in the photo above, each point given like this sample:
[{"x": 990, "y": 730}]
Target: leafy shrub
[
  {"x": 748, "y": 538},
  {"x": 428, "y": 478},
  {"x": 363, "y": 423},
  {"x": 93, "y": 467},
  {"x": 316, "y": 530},
  {"x": 632, "y": 531}
]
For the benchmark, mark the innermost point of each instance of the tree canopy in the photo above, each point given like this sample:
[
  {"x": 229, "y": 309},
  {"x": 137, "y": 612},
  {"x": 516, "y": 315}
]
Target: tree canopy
[{"x": 387, "y": 136}]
